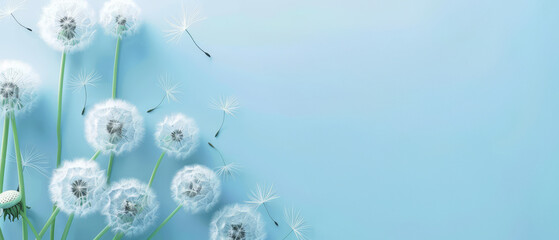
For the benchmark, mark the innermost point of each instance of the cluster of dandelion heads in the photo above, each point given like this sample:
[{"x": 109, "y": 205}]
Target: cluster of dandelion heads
[
  {"x": 196, "y": 188},
  {"x": 130, "y": 207},
  {"x": 120, "y": 17},
  {"x": 18, "y": 86},
  {"x": 177, "y": 135},
  {"x": 67, "y": 24},
  {"x": 237, "y": 222},
  {"x": 114, "y": 126},
  {"x": 78, "y": 187}
]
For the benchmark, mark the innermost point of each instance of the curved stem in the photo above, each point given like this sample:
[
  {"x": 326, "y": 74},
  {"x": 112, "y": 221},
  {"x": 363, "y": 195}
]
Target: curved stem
[
  {"x": 67, "y": 228},
  {"x": 105, "y": 230},
  {"x": 85, "y": 99},
  {"x": 289, "y": 233},
  {"x": 110, "y": 168},
  {"x": 49, "y": 222},
  {"x": 207, "y": 54},
  {"x": 221, "y": 156},
  {"x": 20, "y": 172},
  {"x": 95, "y": 156},
  {"x": 30, "y": 226},
  {"x": 58, "y": 123},
  {"x": 29, "y": 29},
  {"x": 265, "y": 207},
  {"x": 160, "y": 102},
  {"x": 115, "y": 69},
  {"x": 164, "y": 222},
  {"x": 155, "y": 169},
  {"x": 220, "y": 126},
  {"x": 4, "y": 150}
]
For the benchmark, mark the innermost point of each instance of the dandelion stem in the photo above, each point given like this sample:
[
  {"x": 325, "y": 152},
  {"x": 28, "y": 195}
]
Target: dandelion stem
[
  {"x": 49, "y": 222},
  {"x": 85, "y": 99},
  {"x": 29, "y": 29},
  {"x": 118, "y": 236},
  {"x": 289, "y": 233},
  {"x": 1, "y": 235},
  {"x": 105, "y": 230},
  {"x": 207, "y": 54},
  {"x": 115, "y": 69},
  {"x": 110, "y": 168},
  {"x": 265, "y": 207},
  {"x": 67, "y": 228},
  {"x": 30, "y": 226},
  {"x": 20, "y": 172},
  {"x": 220, "y": 126},
  {"x": 160, "y": 102},
  {"x": 221, "y": 156},
  {"x": 155, "y": 169},
  {"x": 58, "y": 123},
  {"x": 4, "y": 150},
  {"x": 164, "y": 222},
  {"x": 95, "y": 156}
]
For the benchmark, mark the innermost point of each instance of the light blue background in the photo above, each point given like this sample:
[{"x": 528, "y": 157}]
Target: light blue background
[{"x": 407, "y": 119}]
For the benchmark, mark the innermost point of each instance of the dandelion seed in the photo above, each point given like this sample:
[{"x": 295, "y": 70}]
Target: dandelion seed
[
  {"x": 178, "y": 135},
  {"x": 228, "y": 105},
  {"x": 237, "y": 222},
  {"x": 179, "y": 26},
  {"x": 228, "y": 170},
  {"x": 67, "y": 24},
  {"x": 8, "y": 7},
  {"x": 170, "y": 90},
  {"x": 32, "y": 159},
  {"x": 261, "y": 196},
  {"x": 196, "y": 188},
  {"x": 18, "y": 86},
  {"x": 296, "y": 223},
  {"x": 81, "y": 81}
]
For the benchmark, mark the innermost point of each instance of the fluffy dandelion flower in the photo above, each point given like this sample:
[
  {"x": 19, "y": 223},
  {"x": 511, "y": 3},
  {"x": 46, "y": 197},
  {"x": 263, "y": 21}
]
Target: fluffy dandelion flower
[
  {"x": 78, "y": 187},
  {"x": 179, "y": 26},
  {"x": 228, "y": 105},
  {"x": 114, "y": 126},
  {"x": 131, "y": 207},
  {"x": 169, "y": 88},
  {"x": 8, "y": 7},
  {"x": 18, "y": 86},
  {"x": 67, "y": 24},
  {"x": 261, "y": 196},
  {"x": 237, "y": 222},
  {"x": 296, "y": 223},
  {"x": 120, "y": 17},
  {"x": 196, "y": 188},
  {"x": 178, "y": 135},
  {"x": 81, "y": 81}
]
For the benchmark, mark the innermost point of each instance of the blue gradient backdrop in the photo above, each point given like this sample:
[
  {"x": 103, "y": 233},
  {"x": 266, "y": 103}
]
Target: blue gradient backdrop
[{"x": 406, "y": 119}]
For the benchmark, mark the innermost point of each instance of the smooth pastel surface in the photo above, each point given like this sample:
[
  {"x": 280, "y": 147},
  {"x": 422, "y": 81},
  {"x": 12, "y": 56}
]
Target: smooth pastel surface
[{"x": 408, "y": 119}]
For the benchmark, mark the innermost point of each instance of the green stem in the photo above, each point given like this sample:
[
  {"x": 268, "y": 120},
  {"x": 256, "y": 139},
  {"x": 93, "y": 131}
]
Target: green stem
[
  {"x": 105, "y": 230},
  {"x": 164, "y": 222},
  {"x": 110, "y": 168},
  {"x": 67, "y": 228},
  {"x": 58, "y": 122},
  {"x": 1, "y": 235},
  {"x": 49, "y": 222},
  {"x": 4, "y": 150},
  {"x": 155, "y": 169},
  {"x": 30, "y": 226},
  {"x": 20, "y": 173},
  {"x": 118, "y": 236},
  {"x": 115, "y": 69},
  {"x": 95, "y": 156}
]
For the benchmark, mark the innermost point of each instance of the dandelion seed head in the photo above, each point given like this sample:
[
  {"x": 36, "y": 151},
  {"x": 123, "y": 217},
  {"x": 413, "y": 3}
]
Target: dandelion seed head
[
  {"x": 131, "y": 207},
  {"x": 114, "y": 126},
  {"x": 8, "y": 7},
  {"x": 67, "y": 24},
  {"x": 296, "y": 222},
  {"x": 84, "y": 79},
  {"x": 18, "y": 86},
  {"x": 78, "y": 187},
  {"x": 178, "y": 26},
  {"x": 228, "y": 170},
  {"x": 177, "y": 135},
  {"x": 196, "y": 188},
  {"x": 229, "y": 105},
  {"x": 262, "y": 195},
  {"x": 237, "y": 222},
  {"x": 120, "y": 17}
]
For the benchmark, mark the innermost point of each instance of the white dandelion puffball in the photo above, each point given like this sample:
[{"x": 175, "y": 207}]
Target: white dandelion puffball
[
  {"x": 114, "y": 126},
  {"x": 78, "y": 187},
  {"x": 177, "y": 135},
  {"x": 18, "y": 86},
  {"x": 237, "y": 222},
  {"x": 130, "y": 207},
  {"x": 67, "y": 24},
  {"x": 120, "y": 17},
  {"x": 196, "y": 188}
]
